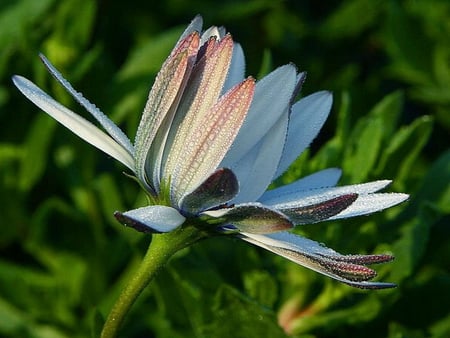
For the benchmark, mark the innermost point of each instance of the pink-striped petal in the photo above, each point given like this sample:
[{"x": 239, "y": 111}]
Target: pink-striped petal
[
  {"x": 207, "y": 142},
  {"x": 349, "y": 269},
  {"x": 162, "y": 99}
]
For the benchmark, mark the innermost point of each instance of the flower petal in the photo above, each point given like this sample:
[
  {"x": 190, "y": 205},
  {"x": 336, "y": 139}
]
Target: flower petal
[
  {"x": 217, "y": 189},
  {"x": 208, "y": 141},
  {"x": 195, "y": 26},
  {"x": 268, "y": 105},
  {"x": 201, "y": 94},
  {"x": 321, "y": 179},
  {"x": 255, "y": 218},
  {"x": 77, "y": 124},
  {"x": 113, "y": 130},
  {"x": 321, "y": 211},
  {"x": 255, "y": 170},
  {"x": 348, "y": 269},
  {"x": 307, "y": 118},
  {"x": 162, "y": 101},
  {"x": 154, "y": 218},
  {"x": 288, "y": 196},
  {"x": 367, "y": 204},
  {"x": 236, "y": 72}
]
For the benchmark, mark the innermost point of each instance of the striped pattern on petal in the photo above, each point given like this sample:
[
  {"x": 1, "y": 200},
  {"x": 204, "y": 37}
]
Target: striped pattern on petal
[
  {"x": 349, "y": 269},
  {"x": 168, "y": 84},
  {"x": 208, "y": 141}
]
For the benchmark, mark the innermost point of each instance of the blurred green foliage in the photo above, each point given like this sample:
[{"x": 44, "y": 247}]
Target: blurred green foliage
[{"x": 64, "y": 258}]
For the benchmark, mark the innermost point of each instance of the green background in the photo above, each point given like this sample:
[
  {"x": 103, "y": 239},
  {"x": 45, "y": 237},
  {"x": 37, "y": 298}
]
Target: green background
[{"x": 63, "y": 257}]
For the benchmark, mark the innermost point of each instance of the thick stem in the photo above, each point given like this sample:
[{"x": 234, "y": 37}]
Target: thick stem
[{"x": 162, "y": 247}]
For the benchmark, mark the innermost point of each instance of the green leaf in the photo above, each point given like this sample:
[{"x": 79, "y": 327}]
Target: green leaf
[
  {"x": 36, "y": 149},
  {"x": 406, "y": 145},
  {"x": 234, "y": 315}
]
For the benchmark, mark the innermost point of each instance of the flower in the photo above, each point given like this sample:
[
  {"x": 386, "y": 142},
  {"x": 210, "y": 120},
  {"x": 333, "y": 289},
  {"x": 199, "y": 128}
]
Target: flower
[{"x": 210, "y": 142}]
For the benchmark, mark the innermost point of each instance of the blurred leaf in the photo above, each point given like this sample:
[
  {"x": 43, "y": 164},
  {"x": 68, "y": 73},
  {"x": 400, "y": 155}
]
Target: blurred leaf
[
  {"x": 17, "y": 19},
  {"x": 36, "y": 148},
  {"x": 407, "y": 145},
  {"x": 233, "y": 315},
  {"x": 261, "y": 287},
  {"x": 347, "y": 21}
]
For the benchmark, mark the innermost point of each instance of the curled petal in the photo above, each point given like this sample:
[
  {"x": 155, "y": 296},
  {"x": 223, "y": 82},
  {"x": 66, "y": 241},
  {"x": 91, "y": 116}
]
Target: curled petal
[
  {"x": 77, "y": 124},
  {"x": 112, "y": 129},
  {"x": 254, "y": 218},
  {"x": 217, "y": 189},
  {"x": 154, "y": 218},
  {"x": 321, "y": 211},
  {"x": 349, "y": 269}
]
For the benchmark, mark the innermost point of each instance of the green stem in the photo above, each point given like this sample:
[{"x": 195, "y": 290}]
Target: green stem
[{"x": 162, "y": 247}]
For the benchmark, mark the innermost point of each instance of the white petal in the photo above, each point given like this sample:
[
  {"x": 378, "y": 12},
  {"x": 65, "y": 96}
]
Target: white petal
[
  {"x": 236, "y": 72},
  {"x": 157, "y": 218},
  {"x": 195, "y": 26},
  {"x": 291, "y": 198},
  {"x": 367, "y": 204},
  {"x": 210, "y": 32},
  {"x": 321, "y": 179},
  {"x": 113, "y": 130},
  {"x": 78, "y": 125},
  {"x": 307, "y": 118},
  {"x": 272, "y": 95},
  {"x": 287, "y": 240},
  {"x": 259, "y": 168}
]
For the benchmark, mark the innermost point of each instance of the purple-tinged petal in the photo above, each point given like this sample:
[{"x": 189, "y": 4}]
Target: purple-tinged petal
[
  {"x": 217, "y": 189},
  {"x": 367, "y": 204},
  {"x": 285, "y": 198},
  {"x": 255, "y": 218},
  {"x": 307, "y": 118},
  {"x": 162, "y": 99},
  {"x": 347, "y": 269},
  {"x": 205, "y": 145},
  {"x": 77, "y": 124},
  {"x": 113, "y": 130},
  {"x": 199, "y": 98},
  {"x": 321, "y": 179},
  {"x": 319, "y": 212},
  {"x": 154, "y": 218},
  {"x": 268, "y": 105}
]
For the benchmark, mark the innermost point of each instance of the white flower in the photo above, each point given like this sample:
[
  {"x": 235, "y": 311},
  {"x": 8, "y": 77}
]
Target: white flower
[{"x": 209, "y": 144}]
